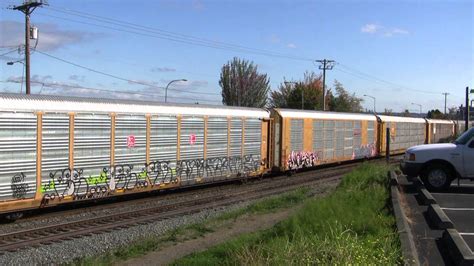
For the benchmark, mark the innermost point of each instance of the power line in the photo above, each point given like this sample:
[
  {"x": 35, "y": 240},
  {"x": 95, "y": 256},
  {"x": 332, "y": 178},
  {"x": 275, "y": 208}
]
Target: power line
[
  {"x": 68, "y": 86},
  {"x": 120, "y": 78},
  {"x": 9, "y": 52},
  {"x": 168, "y": 35},
  {"x": 382, "y": 80}
]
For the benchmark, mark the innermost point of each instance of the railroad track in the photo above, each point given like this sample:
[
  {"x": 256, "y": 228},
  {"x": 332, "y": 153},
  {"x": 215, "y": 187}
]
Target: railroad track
[{"x": 44, "y": 235}]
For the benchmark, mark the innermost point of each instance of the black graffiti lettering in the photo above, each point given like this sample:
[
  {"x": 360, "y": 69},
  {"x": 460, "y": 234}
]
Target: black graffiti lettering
[{"x": 19, "y": 187}]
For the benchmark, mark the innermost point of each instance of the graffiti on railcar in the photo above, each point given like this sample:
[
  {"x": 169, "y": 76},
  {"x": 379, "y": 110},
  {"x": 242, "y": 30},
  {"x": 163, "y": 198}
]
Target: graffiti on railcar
[
  {"x": 19, "y": 187},
  {"x": 161, "y": 172},
  {"x": 364, "y": 151},
  {"x": 303, "y": 159},
  {"x": 72, "y": 183}
]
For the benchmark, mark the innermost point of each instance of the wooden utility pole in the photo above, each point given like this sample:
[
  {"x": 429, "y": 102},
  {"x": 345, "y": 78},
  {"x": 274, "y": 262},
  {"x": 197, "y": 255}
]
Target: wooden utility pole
[
  {"x": 27, "y": 8},
  {"x": 466, "y": 117},
  {"x": 325, "y": 65},
  {"x": 445, "y": 100}
]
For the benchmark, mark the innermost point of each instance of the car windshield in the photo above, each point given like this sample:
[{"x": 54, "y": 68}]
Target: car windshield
[{"x": 465, "y": 137}]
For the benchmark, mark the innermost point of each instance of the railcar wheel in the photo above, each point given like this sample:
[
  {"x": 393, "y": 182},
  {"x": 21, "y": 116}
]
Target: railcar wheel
[{"x": 437, "y": 177}]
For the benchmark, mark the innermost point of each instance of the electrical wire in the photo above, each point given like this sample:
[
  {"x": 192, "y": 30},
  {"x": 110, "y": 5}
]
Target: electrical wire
[
  {"x": 120, "y": 78},
  {"x": 168, "y": 35},
  {"x": 147, "y": 95}
]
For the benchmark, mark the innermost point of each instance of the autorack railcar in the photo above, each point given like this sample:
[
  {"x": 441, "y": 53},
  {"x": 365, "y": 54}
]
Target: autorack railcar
[
  {"x": 440, "y": 130},
  {"x": 55, "y": 150},
  {"x": 404, "y": 133},
  {"x": 308, "y": 138}
]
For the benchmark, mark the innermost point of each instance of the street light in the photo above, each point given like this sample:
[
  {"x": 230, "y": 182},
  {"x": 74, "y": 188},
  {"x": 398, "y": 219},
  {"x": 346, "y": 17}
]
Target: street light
[
  {"x": 302, "y": 92},
  {"x": 166, "y": 89},
  {"x": 11, "y": 63},
  {"x": 373, "y": 99},
  {"x": 419, "y": 106}
]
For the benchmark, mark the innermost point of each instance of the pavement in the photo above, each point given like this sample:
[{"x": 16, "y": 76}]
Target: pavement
[{"x": 442, "y": 224}]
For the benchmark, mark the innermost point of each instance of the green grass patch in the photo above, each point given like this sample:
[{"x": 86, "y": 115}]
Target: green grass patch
[
  {"x": 353, "y": 225},
  {"x": 192, "y": 231}
]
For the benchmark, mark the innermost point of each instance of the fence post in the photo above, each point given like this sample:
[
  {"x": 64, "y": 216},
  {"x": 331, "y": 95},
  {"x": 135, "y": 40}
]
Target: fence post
[{"x": 387, "y": 148}]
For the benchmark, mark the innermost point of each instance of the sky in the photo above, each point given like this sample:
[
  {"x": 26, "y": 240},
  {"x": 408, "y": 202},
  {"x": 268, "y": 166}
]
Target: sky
[{"x": 400, "y": 52}]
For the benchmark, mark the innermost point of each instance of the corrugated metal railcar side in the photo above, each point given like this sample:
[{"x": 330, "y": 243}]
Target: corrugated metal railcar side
[
  {"x": 55, "y": 150},
  {"x": 309, "y": 138},
  {"x": 404, "y": 133},
  {"x": 440, "y": 130}
]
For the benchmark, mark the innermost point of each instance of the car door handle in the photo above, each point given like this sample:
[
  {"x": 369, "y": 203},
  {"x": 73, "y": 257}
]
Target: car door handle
[{"x": 455, "y": 154}]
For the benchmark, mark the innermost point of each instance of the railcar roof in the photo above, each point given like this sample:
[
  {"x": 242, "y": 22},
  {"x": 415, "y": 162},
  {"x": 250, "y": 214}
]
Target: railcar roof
[
  {"x": 388, "y": 118},
  {"x": 324, "y": 115},
  {"x": 53, "y": 103},
  {"x": 440, "y": 121}
]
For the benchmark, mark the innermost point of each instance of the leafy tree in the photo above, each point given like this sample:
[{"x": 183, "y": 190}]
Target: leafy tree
[
  {"x": 435, "y": 114},
  {"x": 406, "y": 113},
  {"x": 306, "y": 94},
  {"x": 343, "y": 101},
  {"x": 242, "y": 85}
]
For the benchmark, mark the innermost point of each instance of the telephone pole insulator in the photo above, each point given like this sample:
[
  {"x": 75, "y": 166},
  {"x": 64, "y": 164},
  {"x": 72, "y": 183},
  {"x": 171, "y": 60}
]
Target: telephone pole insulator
[{"x": 325, "y": 65}]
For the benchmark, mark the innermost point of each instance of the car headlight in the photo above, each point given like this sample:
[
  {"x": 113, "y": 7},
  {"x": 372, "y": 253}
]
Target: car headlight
[{"x": 411, "y": 157}]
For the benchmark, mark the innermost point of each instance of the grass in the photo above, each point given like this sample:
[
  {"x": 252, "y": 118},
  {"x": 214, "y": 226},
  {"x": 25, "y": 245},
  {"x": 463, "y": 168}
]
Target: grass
[
  {"x": 354, "y": 225},
  {"x": 192, "y": 231}
]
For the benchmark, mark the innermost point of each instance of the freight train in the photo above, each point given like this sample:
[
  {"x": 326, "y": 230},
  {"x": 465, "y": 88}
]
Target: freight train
[{"x": 57, "y": 150}]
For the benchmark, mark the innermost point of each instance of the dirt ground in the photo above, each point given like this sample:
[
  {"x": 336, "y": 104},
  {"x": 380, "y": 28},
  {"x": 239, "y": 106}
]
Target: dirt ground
[{"x": 231, "y": 229}]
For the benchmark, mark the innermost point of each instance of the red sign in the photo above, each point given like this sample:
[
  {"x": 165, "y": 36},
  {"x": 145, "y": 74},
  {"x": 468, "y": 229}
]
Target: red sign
[
  {"x": 192, "y": 139},
  {"x": 131, "y": 141}
]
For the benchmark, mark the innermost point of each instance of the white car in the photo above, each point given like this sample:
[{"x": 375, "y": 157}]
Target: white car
[{"x": 439, "y": 164}]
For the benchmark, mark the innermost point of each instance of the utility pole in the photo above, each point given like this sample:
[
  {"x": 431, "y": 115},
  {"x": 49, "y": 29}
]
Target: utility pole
[
  {"x": 445, "y": 99},
  {"x": 466, "y": 117},
  {"x": 325, "y": 65},
  {"x": 27, "y": 8}
]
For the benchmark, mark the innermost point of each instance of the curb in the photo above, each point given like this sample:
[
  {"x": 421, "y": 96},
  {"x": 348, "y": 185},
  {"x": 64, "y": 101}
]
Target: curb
[
  {"x": 426, "y": 197},
  {"x": 439, "y": 217},
  {"x": 408, "y": 248},
  {"x": 458, "y": 250}
]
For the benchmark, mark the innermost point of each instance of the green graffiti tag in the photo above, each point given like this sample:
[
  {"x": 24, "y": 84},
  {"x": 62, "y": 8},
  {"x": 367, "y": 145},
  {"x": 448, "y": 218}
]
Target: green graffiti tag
[
  {"x": 97, "y": 179},
  {"x": 48, "y": 187},
  {"x": 143, "y": 175}
]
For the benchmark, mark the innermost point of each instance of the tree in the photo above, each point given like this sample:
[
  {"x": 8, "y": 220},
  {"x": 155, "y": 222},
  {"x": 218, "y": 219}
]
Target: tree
[
  {"x": 343, "y": 101},
  {"x": 306, "y": 94},
  {"x": 435, "y": 114},
  {"x": 406, "y": 113},
  {"x": 387, "y": 111},
  {"x": 242, "y": 85}
]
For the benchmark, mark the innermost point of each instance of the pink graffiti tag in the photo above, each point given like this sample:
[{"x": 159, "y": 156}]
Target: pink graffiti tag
[
  {"x": 192, "y": 139},
  {"x": 131, "y": 141}
]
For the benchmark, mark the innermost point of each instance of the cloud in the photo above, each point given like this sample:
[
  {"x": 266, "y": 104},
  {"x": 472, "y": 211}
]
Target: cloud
[
  {"x": 51, "y": 37},
  {"x": 291, "y": 45},
  {"x": 384, "y": 31},
  {"x": 163, "y": 69},
  {"x": 370, "y": 28}
]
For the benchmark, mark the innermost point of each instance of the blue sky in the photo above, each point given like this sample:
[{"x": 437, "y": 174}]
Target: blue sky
[{"x": 398, "y": 51}]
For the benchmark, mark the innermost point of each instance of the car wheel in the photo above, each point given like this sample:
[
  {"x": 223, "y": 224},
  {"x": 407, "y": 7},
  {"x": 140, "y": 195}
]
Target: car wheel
[{"x": 437, "y": 178}]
